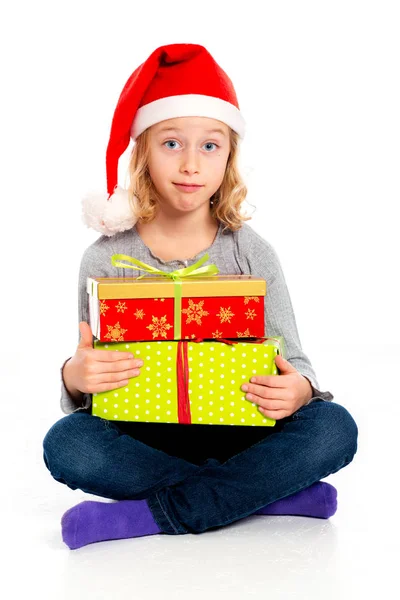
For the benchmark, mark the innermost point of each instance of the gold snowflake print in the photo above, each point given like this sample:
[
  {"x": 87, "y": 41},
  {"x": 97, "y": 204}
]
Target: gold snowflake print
[
  {"x": 159, "y": 326},
  {"x": 225, "y": 314},
  {"x": 251, "y": 313},
  {"x": 160, "y": 299},
  {"x": 103, "y": 307},
  {"x": 244, "y": 334},
  {"x": 195, "y": 312},
  {"x": 248, "y": 298},
  {"x": 121, "y": 307},
  {"x": 187, "y": 337},
  {"x": 217, "y": 334},
  {"x": 139, "y": 314},
  {"x": 115, "y": 333}
]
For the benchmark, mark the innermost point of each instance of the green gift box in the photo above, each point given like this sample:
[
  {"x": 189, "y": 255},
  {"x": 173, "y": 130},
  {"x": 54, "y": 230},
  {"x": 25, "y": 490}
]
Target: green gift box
[{"x": 190, "y": 382}]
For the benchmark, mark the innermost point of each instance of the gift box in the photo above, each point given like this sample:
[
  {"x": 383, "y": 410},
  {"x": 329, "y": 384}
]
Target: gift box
[
  {"x": 184, "y": 304},
  {"x": 190, "y": 382},
  {"x": 131, "y": 309}
]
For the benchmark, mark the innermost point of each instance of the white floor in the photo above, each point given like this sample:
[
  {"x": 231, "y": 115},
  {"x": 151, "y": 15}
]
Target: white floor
[{"x": 354, "y": 553}]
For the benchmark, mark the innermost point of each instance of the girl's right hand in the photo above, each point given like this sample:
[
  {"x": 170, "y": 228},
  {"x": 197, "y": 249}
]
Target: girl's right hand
[{"x": 91, "y": 371}]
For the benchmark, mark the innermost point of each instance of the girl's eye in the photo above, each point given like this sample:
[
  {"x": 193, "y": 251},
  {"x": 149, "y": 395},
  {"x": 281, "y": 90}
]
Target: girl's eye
[
  {"x": 171, "y": 142},
  {"x": 210, "y": 144}
]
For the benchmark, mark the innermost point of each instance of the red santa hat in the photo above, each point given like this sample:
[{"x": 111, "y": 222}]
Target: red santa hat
[{"x": 177, "y": 80}]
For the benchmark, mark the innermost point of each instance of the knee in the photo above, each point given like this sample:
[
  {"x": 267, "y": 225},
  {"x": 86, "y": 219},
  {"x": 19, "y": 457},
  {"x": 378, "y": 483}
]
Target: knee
[
  {"x": 339, "y": 431},
  {"x": 331, "y": 432},
  {"x": 63, "y": 445}
]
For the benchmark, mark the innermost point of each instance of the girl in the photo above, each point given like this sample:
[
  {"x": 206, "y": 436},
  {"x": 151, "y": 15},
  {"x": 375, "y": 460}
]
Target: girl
[{"x": 184, "y": 200}]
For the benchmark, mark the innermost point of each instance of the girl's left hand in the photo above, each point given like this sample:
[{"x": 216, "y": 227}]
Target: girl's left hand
[{"x": 279, "y": 396}]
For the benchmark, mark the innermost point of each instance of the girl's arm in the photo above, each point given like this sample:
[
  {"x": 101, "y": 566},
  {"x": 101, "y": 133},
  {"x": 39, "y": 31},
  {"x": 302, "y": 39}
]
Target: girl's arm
[
  {"x": 259, "y": 258},
  {"x": 96, "y": 261}
]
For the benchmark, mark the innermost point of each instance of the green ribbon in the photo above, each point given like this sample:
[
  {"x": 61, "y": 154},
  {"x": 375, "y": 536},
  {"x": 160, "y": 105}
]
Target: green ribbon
[{"x": 195, "y": 270}]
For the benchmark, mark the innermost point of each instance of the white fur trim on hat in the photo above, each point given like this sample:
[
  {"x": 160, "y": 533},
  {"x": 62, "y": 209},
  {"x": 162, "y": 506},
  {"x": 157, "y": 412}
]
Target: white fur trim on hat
[
  {"x": 187, "y": 105},
  {"x": 108, "y": 216}
]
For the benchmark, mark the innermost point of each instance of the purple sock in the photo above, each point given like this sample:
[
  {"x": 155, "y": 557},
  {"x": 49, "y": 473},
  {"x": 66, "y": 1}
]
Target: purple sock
[
  {"x": 318, "y": 500},
  {"x": 90, "y": 522}
]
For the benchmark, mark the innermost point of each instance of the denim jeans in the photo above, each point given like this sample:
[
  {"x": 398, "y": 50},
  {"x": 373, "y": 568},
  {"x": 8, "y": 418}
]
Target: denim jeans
[{"x": 200, "y": 477}]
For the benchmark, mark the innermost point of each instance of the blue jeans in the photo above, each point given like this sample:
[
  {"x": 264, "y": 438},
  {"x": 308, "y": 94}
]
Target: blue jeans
[{"x": 212, "y": 477}]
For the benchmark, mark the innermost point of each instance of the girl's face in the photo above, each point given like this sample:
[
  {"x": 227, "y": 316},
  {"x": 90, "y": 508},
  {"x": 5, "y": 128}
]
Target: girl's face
[{"x": 188, "y": 150}]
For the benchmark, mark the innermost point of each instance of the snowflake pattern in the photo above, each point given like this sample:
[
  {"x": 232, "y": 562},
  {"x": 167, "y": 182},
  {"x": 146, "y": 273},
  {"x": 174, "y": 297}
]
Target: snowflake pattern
[
  {"x": 248, "y": 298},
  {"x": 217, "y": 334},
  {"x": 115, "y": 333},
  {"x": 195, "y": 312},
  {"x": 103, "y": 307},
  {"x": 160, "y": 299},
  {"x": 187, "y": 337},
  {"x": 244, "y": 334},
  {"x": 159, "y": 327},
  {"x": 250, "y": 314},
  {"x": 139, "y": 314},
  {"x": 121, "y": 307},
  {"x": 225, "y": 314}
]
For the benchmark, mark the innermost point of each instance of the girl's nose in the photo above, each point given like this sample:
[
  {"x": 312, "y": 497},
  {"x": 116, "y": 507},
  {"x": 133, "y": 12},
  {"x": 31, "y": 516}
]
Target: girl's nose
[{"x": 190, "y": 161}]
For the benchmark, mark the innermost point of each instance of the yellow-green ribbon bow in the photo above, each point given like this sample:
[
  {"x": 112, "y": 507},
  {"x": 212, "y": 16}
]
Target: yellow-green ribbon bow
[{"x": 195, "y": 270}]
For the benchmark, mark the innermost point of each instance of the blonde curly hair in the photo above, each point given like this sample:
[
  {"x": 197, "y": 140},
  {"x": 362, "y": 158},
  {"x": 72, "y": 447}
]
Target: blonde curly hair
[{"x": 225, "y": 203}]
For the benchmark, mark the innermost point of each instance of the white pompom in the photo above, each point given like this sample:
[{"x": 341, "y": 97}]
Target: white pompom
[{"x": 108, "y": 216}]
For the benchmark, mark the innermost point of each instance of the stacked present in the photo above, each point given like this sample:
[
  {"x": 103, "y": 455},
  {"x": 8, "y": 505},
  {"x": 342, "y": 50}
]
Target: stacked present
[{"x": 200, "y": 336}]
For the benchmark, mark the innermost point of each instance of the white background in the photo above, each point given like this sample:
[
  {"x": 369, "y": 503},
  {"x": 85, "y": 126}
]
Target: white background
[{"x": 318, "y": 85}]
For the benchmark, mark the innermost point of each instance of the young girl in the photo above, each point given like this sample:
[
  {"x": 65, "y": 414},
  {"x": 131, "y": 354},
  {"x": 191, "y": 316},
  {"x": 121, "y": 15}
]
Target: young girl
[{"x": 184, "y": 200}]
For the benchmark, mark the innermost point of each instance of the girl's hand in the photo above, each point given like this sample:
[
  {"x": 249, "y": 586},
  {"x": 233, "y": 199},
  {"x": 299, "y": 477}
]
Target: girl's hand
[
  {"x": 91, "y": 370},
  {"x": 279, "y": 396}
]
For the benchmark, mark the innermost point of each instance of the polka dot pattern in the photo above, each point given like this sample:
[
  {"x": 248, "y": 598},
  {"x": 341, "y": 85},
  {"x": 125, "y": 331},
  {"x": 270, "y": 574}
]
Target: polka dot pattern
[{"x": 216, "y": 373}]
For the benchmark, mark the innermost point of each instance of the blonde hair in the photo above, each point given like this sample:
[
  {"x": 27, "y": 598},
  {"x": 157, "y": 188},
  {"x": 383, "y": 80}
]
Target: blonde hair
[{"x": 225, "y": 203}]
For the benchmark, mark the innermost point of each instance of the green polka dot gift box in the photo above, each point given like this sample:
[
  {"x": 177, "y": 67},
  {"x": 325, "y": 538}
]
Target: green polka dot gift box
[{"x": 190, "y": 382}]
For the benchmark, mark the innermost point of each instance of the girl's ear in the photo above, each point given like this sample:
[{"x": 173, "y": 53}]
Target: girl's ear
[{"x": 109, "y": 215}]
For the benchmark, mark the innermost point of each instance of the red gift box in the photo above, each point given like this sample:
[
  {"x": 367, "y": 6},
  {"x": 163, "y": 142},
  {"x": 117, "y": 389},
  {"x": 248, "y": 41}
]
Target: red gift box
[{"x": 132, "y": 309}]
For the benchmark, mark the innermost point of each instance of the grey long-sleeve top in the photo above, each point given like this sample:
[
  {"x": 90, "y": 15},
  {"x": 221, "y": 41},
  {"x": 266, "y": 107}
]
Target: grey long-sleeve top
[{"x": 235, "y": 253}]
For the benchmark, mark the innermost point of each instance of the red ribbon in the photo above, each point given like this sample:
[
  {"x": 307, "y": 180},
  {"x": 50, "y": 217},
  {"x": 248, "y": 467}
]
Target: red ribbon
[{"x": 182, "y": 373}]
